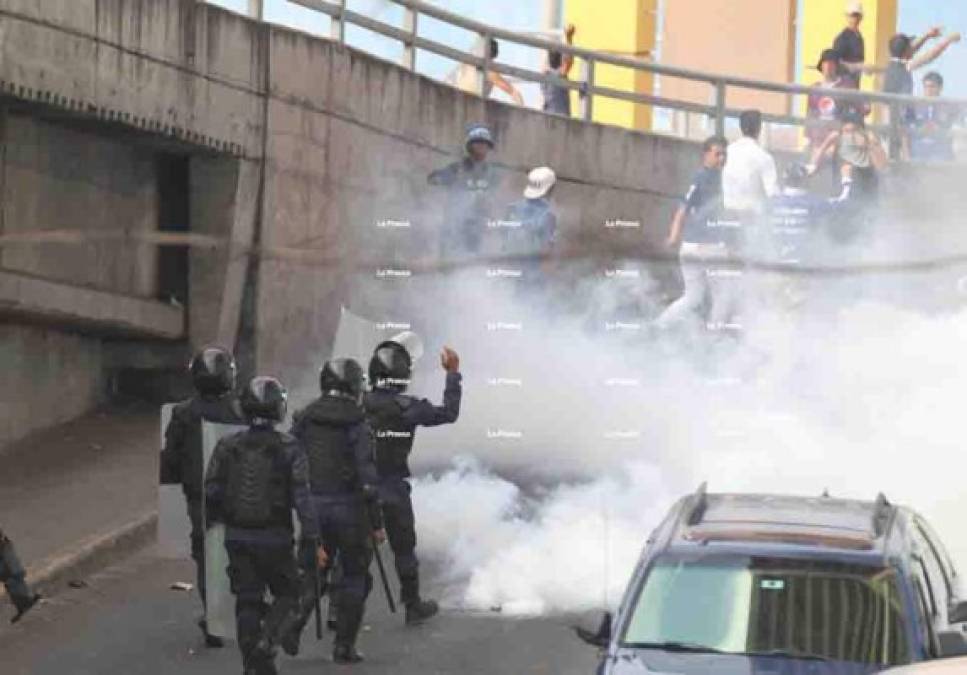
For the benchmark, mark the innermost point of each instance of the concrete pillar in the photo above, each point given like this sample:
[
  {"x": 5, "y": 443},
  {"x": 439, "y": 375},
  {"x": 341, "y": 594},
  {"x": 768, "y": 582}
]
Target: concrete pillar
[
  {"x": 552, "y": 14},
  {"x": 256, "y": 9},
  {"x": 629, "y": 27}
]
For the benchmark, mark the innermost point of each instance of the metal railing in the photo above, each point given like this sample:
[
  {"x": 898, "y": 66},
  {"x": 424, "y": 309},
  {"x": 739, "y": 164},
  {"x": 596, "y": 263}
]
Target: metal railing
[{"x": 720, "y": 86}]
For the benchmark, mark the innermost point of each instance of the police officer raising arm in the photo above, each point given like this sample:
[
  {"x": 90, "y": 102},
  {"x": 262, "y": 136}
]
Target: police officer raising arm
[
  {"x": 254, "y": 481},
  {"x": 394, "y": 417},
  {"x": 343, "y": 481},
  {"x": 213, "y": 373}
]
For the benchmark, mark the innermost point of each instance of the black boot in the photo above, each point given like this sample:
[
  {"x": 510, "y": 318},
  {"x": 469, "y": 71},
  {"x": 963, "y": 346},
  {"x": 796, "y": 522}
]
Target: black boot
[
  {"x": 261, "y": 660},
  {"x": 346, "y": 654},
  {"x": 212, "y": 641},
  {"x": 24, "y": 605},
  {"x": 419, "y": 611}
]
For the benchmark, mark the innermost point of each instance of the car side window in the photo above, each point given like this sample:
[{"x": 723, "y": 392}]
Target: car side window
[
  {"x": 928, "y": 585},
  {"x": 940, "y": 557},
  {"x": 937, "y": 581},
  {"x": 929, "y": 637}
]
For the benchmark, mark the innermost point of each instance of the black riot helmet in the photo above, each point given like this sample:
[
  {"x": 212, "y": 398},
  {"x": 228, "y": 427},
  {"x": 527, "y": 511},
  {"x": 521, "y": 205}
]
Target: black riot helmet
[
  {"x": 393, "y": 360},
  {"x": 342, "y": 375},
  {"x": 213, "y": 371},
  {"x": 264, "y": 400}
]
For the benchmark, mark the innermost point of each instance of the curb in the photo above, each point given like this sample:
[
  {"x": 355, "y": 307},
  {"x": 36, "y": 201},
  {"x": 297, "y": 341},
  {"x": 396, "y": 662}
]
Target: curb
[{"x": 90, "y": 555}]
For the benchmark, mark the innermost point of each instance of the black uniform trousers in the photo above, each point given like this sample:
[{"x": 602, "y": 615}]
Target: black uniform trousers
[
  {"x": 345, "y": 532},
  {"x": 13, "y": 575},
  {"x": 400, "y": 525},
  {"x": 195, "y": 508},
  {"x": 253, "y": 569}
]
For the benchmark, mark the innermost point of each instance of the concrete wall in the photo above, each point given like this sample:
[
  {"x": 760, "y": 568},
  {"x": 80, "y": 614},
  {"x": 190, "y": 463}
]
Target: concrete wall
[
  {"x": 746, "y": 38},
  {"x": 55, "y": 376},
  {"x": 55, "y": 177},
  {"x": 349, "y": 140}
]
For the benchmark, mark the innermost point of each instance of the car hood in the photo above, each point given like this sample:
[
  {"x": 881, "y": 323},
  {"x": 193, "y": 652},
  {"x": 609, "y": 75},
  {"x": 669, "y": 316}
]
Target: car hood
[{"x": 654, "y": 662}]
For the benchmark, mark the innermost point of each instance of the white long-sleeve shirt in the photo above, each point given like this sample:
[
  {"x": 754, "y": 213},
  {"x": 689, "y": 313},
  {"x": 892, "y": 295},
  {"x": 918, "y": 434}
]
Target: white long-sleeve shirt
[{"x": 750, "y": 177}]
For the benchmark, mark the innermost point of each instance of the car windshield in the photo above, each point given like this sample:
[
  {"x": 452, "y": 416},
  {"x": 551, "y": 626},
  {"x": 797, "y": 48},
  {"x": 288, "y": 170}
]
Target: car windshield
[{"x": 769, "y": 606}]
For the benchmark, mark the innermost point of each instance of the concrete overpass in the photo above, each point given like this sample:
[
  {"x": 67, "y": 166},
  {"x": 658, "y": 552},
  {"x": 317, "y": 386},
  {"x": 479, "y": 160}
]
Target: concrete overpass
[
  {"x": 123, "y": 118},
  {"x": 125, "y": 124}
]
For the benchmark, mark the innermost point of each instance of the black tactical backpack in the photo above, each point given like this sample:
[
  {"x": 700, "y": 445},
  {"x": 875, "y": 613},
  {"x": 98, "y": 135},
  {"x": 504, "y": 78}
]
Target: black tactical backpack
[{"x": 254, "y": 490}]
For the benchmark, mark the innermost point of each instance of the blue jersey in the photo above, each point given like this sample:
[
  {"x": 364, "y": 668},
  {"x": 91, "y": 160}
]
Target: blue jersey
[
  {"x": 703, "y": 206},
  {"x": 532, "y": 229}
]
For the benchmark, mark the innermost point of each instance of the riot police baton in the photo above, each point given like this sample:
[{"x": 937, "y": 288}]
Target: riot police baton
[{"x": 382, "y": 574}]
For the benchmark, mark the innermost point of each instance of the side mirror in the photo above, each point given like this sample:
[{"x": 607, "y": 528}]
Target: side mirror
[
  {"x": 600, "y": 637},
  {"x": 957, "y": 613},
  {"x": 952, "y": 643}
]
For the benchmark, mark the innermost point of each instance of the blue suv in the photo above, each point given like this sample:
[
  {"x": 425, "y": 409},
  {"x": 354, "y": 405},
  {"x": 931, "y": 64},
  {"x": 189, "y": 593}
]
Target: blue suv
[{"x": 740, "y": 584}]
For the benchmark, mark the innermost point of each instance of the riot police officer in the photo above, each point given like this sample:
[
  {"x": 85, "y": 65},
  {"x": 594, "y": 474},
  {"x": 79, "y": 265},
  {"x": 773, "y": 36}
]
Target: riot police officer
[
  {"x": 213, "y": 374},
  {"x": 394, "y": 417},
  {"x": 343, "y": 480},
  {"x": 14, "y": 578},
  {"x": 254, "y": 481}
]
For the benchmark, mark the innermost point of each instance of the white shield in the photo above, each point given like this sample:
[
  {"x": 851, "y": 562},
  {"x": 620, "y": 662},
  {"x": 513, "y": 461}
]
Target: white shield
[
  {"x": 356, "y": 338},
  {"x": 220, "y": 602},
  {"x": 174, "y": 528}
]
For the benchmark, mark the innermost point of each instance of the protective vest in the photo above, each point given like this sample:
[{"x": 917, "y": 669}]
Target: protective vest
[
  {"x": 256, "y": 495},
  {"x": 328, "y": 430},
  {"x": 392, "y": 435}
]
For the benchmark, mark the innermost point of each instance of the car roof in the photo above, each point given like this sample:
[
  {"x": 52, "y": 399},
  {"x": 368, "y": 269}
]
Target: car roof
[{"x": 795, "y": 523}]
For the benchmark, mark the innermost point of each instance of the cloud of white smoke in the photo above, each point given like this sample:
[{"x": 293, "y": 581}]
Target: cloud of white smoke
[{"x": 856, "y": 397}]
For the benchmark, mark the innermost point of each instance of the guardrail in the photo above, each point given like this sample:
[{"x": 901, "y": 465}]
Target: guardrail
[{"x": 719, "y": 85}]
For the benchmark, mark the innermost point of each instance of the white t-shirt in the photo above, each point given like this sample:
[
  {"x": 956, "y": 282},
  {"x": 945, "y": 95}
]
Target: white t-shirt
[{"x": 749, "y": 178}]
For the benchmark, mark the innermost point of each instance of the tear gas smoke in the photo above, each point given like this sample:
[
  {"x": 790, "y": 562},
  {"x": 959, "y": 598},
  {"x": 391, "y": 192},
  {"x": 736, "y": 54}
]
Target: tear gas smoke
[
  {"x": 858, "y": 397},
  {"x": 579, "y": 427}
]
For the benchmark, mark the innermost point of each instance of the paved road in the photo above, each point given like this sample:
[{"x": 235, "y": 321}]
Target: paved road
[
  {"x": 81, "y": 479},
  {"x": 127, "y": 620}
]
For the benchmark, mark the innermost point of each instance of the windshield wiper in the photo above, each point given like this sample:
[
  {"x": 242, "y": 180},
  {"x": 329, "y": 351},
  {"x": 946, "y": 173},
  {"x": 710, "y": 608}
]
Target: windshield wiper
[
  {"x": 789, "y": 654},
  {"x": 688, "y": 647},
  {"x": 693, "y": 648}
]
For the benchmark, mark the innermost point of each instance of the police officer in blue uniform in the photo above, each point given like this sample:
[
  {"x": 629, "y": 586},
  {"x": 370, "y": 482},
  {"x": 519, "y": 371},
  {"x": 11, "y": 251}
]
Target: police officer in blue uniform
[
  {"x": 254, "y": 481},
  {"x": 213, "y": 374},
  {"x": 344, "y": 485},
  {"x": 14, "y": 578},
  {"x": 394, "y": 417}
]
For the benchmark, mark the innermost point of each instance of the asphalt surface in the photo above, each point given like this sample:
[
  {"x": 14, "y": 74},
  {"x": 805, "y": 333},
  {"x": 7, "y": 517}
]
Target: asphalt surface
[
  {"x": 126, "y": 619},
  {"x": 77, "y": 480}
]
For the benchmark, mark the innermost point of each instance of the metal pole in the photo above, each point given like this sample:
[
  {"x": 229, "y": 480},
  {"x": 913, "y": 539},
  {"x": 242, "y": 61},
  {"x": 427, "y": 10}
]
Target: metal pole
[
  {"x": 410, "y": 22},
  {"x": 256, "y": 9},
  {"x": 588, "y": 112},
  {"x": 552, "y": 14},
  {"x": 338, "y": 30},
  {"x": 482, "y": 74},
  {"x": 720, "y": 101}
]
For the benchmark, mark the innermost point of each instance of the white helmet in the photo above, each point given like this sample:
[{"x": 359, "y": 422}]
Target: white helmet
[{"x": 539, "y": 182}]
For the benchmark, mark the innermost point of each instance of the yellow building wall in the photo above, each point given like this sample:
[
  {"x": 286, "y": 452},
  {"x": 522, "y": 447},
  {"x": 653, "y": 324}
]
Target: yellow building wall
[
  {"x": 822, "y": 21},
  {"x": 627, "y": 27}
]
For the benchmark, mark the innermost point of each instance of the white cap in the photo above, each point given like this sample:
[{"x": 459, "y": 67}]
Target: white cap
[
  {"x": 539, "y": 182},
  {"x": 854, "y": 7}
]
